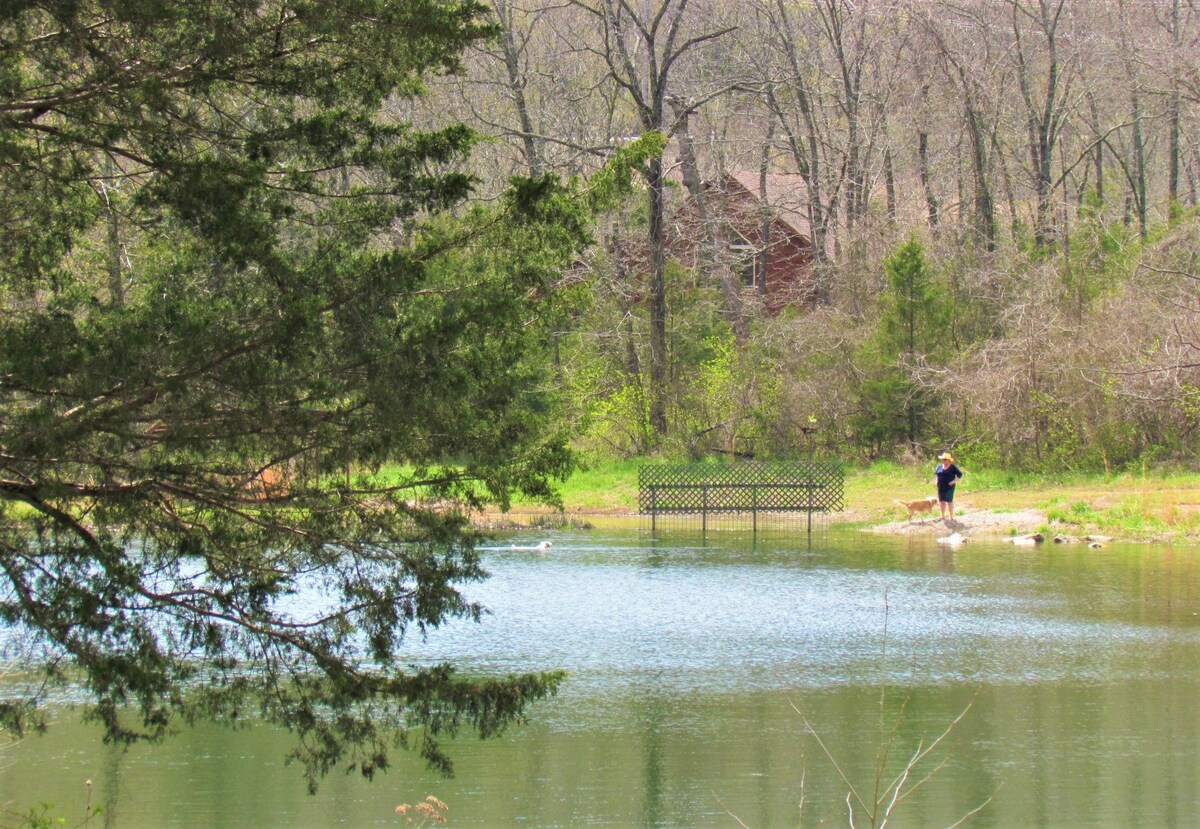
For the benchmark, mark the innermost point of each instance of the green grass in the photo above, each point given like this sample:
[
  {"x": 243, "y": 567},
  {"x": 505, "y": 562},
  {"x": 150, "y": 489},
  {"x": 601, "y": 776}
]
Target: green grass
[
  {"x": 1132, "y": 507},
  {"x": 605, "y": 487}
]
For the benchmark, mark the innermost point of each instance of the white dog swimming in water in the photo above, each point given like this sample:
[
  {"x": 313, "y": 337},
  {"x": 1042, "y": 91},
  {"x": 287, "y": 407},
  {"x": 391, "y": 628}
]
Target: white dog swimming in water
[{"x": 540, "y": 547}]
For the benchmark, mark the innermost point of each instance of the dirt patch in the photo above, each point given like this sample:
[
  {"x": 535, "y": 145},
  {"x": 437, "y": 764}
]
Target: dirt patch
[{"x": 971, "y": 522}]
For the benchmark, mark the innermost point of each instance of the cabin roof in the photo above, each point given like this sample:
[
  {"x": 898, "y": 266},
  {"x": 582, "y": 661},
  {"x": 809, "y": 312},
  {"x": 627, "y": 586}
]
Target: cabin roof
[{"x": 786, "y": 194}]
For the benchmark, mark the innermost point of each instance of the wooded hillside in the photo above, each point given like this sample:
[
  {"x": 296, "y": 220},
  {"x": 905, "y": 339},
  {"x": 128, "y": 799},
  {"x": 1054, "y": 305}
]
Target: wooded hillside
[{"x": 1001, "y": 196}]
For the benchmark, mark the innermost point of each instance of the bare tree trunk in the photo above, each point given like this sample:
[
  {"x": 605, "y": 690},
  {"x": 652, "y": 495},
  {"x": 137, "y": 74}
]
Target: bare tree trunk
[
  {"x": 516, "y": 80},
  {"x": 625, "y": 292},
  {"x": 960, "y": 179},
  {"x": 810, "y": 137},
  {"x": 1098, "y": 148},
  {"x": 1044, "y": 106},
  {"x": 931, "y": 199},
  {"x": 766, "y": 220},
  {"x": 1192, "y": 183},
  {"x": 1174, "y": 150},
  {"x": 1010, "y": 195},
  {"x": 1137, "y": 179},
  {"x": 715, "y": 259},
  {"x": 985, "y": 210},
  {"x": 658, "y": 301},
  {"x": 835, "y": 16},
  {"x": 1139, "y": 164},
  {"x": 806, "y": 153},
  {"x": 889, "y": 183},
  {"x": 115, "y": 248}
]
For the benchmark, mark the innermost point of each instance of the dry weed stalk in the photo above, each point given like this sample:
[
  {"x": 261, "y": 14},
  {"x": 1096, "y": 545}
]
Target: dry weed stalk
[
  {"x": 886, "y": 797},
  {"x": 430, "y": 810},
  {"x": 887, "y": 794}
]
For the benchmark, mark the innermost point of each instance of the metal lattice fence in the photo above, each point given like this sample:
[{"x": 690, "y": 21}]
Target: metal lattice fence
[{"x": 750, "y": 487}]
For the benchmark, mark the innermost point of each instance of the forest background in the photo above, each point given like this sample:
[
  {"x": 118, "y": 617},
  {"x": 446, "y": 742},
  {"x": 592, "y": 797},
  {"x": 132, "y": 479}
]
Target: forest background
[{"x": 1002, "y": 196}]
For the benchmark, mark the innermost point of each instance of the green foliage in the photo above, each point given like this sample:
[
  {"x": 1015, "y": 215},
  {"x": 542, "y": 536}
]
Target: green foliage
[
  {"x": 610, "y": 400},
  {"x": 886, "y": 410},
  {"x": 607, "y": 187},
  {"x": 914, "y": 312},
  {"x": 227, "y": 280},
  {"x": 1061, "y": 436},
  {"x": 730, "y": 404},
  {"x": 619, "y": 421},
  {"x": 982, "y": 449},
  {"x": 43, "y": 815},
  {"x": 1023, "y": 239},
  {"x": 37, "y": 817},
  {"x": 913, "y": 329}
]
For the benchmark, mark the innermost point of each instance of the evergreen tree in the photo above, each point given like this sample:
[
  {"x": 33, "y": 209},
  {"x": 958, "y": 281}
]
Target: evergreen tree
[
  {"x": 229, "y": 279},
  {"x": 913, "y": 327}
]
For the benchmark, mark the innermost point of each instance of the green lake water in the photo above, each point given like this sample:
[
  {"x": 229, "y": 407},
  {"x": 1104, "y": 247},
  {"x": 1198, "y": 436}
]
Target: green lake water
[{"x": 694, "y": 665}]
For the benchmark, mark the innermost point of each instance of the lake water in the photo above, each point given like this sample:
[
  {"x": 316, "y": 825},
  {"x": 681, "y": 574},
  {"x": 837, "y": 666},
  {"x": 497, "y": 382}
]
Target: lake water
[{"x": 695, "y": 665}]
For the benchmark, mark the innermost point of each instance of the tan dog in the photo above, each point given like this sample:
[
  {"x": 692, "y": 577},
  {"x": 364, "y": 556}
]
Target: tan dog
[{"x": 924, "y": 505}]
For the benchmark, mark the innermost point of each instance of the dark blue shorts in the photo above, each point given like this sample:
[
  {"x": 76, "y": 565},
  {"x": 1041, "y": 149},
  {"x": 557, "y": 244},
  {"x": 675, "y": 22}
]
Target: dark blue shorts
[{"x": 945, "y": 493}]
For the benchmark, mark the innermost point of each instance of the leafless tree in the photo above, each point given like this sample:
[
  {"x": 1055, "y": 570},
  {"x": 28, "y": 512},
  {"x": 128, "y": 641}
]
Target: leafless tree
[
  {"x": 1045, "y": 80},
  {"x": 642, "y": 49},
  {"x": 967, "y": 60}
]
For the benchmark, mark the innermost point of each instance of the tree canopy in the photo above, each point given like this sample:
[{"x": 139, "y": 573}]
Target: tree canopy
[{"x": 235, "y": 283}]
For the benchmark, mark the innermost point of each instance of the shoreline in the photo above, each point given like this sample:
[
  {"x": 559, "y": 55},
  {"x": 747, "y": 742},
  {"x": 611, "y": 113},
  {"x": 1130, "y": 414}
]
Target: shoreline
[
  {"x": 1160, "y": 507},
  {"x": 970, "y": 522}
]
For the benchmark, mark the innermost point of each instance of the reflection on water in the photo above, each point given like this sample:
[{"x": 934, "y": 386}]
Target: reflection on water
[{"x": 691, "y": 663}]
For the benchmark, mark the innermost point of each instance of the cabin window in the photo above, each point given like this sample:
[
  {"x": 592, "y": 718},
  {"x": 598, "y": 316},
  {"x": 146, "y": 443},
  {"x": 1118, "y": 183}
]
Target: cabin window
[{"x": 745, "y": 262}]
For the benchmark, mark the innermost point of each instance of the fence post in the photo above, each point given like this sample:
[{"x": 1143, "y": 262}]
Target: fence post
[
  {"x": 754, "y": 505},
  {"x": 653, "y": 508},
  {"x": 808, "y": 486}
]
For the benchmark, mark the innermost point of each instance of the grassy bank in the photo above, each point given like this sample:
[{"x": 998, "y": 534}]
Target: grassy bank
[{"x": 1150, "y": 505}]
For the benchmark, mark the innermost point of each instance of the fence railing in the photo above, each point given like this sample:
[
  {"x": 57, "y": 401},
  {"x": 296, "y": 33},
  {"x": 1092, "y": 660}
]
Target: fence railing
[{"x": 750, "y": 487}]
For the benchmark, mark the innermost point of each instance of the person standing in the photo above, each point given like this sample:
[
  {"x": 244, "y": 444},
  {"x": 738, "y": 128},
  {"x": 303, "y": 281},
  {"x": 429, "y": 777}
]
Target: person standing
[{"x": 946, "y": 476}]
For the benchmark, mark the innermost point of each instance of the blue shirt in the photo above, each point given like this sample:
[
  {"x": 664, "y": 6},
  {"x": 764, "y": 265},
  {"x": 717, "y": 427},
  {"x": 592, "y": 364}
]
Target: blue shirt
[{"x": 946, "y": 475}]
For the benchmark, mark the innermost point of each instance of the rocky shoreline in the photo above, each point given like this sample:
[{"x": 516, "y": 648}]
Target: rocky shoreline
[{"x": 971, "y": 522}]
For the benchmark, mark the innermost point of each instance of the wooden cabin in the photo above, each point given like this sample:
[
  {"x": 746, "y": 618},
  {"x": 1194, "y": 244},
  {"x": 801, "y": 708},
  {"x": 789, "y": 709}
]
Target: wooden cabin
[{"x": 764, "y": 226}]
